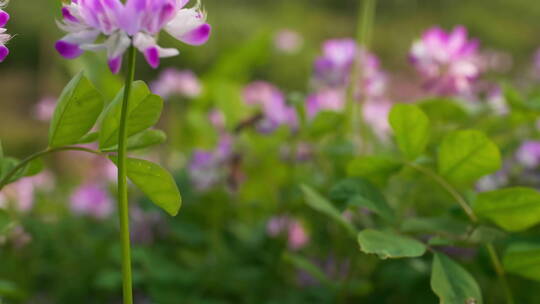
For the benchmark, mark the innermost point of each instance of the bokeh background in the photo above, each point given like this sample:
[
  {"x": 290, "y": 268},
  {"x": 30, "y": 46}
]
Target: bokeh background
[{"x": 217, "y": 250}]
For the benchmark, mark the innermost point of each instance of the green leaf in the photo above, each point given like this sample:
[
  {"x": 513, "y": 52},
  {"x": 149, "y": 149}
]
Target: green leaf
[
  {"x": 76, "y": 113},
  {"x": 361, "y": 193},
  {"x": 142, "y": 140},
  {"x": 89, "y": 138},
  {"x": 513, "y": 209},
  {"x": 9, "y": 163},
  {"x": 452, "y": 283},
  {"x": 377, "y": 169},
  {"x": 319, "y": 203},
  {"x": 439, "y": 225},
  {"x": 143, "y": 112},
  {"x": 466, "y": 156},
  {"x": 411, "y": 128},
  {"x": 523, "y": 259},
  {"x": 155, "y": 182},
  {"x": 389, "y": 245}
]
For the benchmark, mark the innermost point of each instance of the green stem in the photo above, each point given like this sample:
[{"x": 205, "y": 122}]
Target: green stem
[
  {"x": 453, "y": 192},
  {"x": 495, "y": 260},
  {"x": 37, "y": 155},
  {"x": 123, "y": 207},
  {"x": 500, "y": 273}
]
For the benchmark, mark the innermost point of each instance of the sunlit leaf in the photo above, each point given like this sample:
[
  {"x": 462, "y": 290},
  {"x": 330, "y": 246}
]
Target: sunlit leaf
[
  {"x": 146, "y": 138},
  {"x": 411, "y": 129},
  {"x": 76, "y": 112},
  {"x": 466, "y": 156},
  {"x": 523, "y": 259},
  {"x": 143, "y": 112},
  {"x": 513, "y": 209},
  {"x": 155, "y": 182},
  {"x": 389, "y": 245}
]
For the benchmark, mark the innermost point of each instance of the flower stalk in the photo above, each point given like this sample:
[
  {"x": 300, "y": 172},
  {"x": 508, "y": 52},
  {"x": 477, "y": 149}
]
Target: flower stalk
[{"x": 123, "y": 206}]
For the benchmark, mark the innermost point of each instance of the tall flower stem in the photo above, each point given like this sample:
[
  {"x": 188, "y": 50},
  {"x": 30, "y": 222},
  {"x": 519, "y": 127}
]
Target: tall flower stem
[
  {"x": 123, "y": 206},
  {"x": 366, "y": 17},
  {"x": 494, "y": 257}
]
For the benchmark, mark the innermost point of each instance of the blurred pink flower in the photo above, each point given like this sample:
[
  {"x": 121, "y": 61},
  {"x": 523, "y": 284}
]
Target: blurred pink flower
[
  {"x": 376, "y": 116},
  {"x": 22, "y": 192},
  {"x": 44, "y": 109},
  {"x": 217, "y": 119},
  {"x": 114, "y": 26},
  {"x": 288, "y": 41},
  {"x": 173, "y": 82},
  {"x": 4, "y": 38},
  {"x": 334, "y": 66},
  {"x": 92, "y": 200},
  {"x": 448, "y": 61},
  {"x": 297, "y": 237},
  {"x": 528, "y": 154},
  {"x": 325, "y": 100},
  {"x": 273, "y": 105}
]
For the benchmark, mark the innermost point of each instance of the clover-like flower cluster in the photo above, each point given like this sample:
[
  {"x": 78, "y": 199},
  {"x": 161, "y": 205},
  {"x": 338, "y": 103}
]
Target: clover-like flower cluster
[
  {"x": 448, "y": 61},
  {"x": 4, "y": 37},
  {"x": 113, "y": 26}
]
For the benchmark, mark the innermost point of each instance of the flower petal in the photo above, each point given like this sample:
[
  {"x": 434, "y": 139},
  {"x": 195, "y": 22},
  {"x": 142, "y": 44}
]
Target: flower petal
[
  {"x": 68, "y": 50},
  {"x": 197, "y": 36},
  {"x": 4, "y": 51}
]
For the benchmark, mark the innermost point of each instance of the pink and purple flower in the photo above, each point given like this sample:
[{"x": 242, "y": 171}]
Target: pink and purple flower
[
  {"x": 92, "y": 200},
  {"x": 113, "y": 26},
  {"x": 4, "y": 37},
  {"x": 448, "y": 61},
  {"x": 272, "y": 104},
  {"x": 173, "y": 82}
]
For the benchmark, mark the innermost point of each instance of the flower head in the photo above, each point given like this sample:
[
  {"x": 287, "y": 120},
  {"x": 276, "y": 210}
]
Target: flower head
[
  {"x": 4, "y": 38},
  {"x": 325, "y": 100},
  {"x": 448, "y": 61},
  {"x": 114, "y": 26}
]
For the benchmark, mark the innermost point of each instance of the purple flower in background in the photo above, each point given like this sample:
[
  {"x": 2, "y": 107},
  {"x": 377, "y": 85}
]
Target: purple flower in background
[
  {"x": 4, "y": 38},
  {"x": 177, "y": 82},
  {"x": 297, "y": 237},
  {"x": 272, "y": 103},
  {"x": 288, "y": 41},
  {"x": 91, "y": 200},
  {"x": 448, "y": 61},
  {"x": 206, "y": 167},
  {"x": 528, "y": 154},
  {"x": 536, "y": 63},
  {"x": 217, "y": 119},
  {"x": 334, "y": 66},
  {"x": 44, "y": 109},
  {"x": 326, "y": 100},
  {"x": 22, "y": 192},
  {"x": 114, "y": 26}
]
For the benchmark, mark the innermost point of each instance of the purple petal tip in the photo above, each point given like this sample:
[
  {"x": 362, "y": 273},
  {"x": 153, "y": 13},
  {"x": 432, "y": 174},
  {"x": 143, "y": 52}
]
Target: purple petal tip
[{"x": 68, "y": 50}]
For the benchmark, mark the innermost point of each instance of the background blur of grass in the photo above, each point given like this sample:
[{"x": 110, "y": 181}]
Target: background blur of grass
[{"x": 34, "y": 70}]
